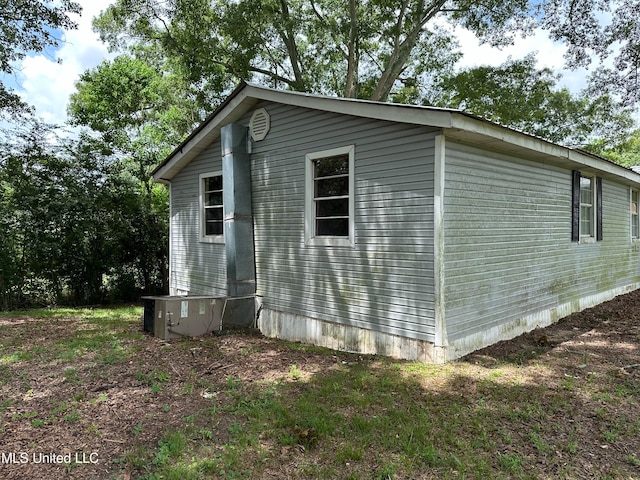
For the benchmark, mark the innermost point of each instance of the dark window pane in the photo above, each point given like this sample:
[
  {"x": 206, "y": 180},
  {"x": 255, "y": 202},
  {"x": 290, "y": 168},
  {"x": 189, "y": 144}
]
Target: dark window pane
[
  {"x": 213, "y": 183},
  {"x": 332, "y": 187},
  {"x": 214, "y": 228},
  {"x": 335, "y": 227},
  {"x": 213, "y": 211},
  {"x": 330, "y": 166},
  {"x": 214, "y": 214},
  {"x": 332, "y": 208},
  {"x": 213, "y": 199}
]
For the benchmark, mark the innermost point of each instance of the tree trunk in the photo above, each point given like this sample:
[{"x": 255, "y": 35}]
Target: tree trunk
[
  {"x": 351, "y": 86},
  {"x": 288, "y": 37},
  {"x": 398, "y": 59},
  {"x": 394, "y": 69}
]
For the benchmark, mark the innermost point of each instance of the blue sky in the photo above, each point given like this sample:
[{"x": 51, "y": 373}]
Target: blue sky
[{"x": 47, "y": 85}]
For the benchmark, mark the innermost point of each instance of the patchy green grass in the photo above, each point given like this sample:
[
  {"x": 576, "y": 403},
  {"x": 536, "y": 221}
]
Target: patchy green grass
[
  {"x": 379, "y": 421},
  {"x": 240, "y": 406},
  {"x": 103, "y": 333}
]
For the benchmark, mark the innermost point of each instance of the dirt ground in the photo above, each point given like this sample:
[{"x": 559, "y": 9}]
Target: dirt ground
[{"x": 95, "y": 411}]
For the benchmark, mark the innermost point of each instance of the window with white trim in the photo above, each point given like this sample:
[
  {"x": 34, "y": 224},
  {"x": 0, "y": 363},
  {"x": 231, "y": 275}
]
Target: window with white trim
[
  {"x": 635, "y": 217},
  {"x": 329, "y": 199},
  {"x": 211, "y": 207},
  {"x": 587, "y": 206}
]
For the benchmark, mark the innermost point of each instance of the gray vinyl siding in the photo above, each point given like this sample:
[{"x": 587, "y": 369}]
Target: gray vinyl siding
[
  {"x": 196, "y": 267},
  {"x": 384, "y": 282},
  {"x": 508, "y": 249}
]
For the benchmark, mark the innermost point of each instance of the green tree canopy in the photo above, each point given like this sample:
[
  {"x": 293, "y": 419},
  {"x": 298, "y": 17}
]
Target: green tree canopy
[
  {"x": 625, "y": 153},
  {"x": 77, "y": 225},
  {"x": 373, "y": 49},
  {"x": 521, "y": 96},
  {"x": 136, "y": 108},
  {"x": 363, "y": 49},
  {"x": 606, "y": 32}
]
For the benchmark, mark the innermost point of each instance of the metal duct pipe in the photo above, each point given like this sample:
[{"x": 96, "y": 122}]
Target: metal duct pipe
[{"x": 238, "y": 219}]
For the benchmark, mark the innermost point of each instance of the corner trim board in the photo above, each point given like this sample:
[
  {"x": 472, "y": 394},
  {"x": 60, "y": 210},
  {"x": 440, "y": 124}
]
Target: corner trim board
[{"x": 438, "y": 241}]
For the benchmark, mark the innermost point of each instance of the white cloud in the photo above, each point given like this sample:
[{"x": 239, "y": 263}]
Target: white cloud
[
  {"x": 47, "y": 84},
  {"x": 549, "y": 54}
]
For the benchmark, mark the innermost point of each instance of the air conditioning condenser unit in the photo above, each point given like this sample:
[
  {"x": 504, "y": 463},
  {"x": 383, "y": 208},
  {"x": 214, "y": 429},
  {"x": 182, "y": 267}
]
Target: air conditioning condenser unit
[{"x": 170, "y": 317}]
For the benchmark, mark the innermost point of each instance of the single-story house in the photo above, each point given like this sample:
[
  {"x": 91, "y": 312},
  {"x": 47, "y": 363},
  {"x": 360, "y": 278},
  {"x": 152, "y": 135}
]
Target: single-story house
[{"x": 415, "y": 232}]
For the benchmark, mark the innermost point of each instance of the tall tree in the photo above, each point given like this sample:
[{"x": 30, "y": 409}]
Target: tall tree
[
  {"x": 140, "y": 113},
  {"x": 29, "y": 26},
  {"x": 401, "y": 51},
  {"x": 361, "y": 49}
]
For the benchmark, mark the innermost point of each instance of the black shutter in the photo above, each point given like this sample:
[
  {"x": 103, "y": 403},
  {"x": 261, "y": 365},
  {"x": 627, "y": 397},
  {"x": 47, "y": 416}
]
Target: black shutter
[
  {"x": 575, "y": 207},
  {"x": 598, "y": 209}
]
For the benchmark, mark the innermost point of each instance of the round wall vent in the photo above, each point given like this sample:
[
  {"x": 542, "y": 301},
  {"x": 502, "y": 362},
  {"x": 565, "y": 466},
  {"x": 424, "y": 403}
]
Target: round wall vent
[{"x": 259, "y": 124}]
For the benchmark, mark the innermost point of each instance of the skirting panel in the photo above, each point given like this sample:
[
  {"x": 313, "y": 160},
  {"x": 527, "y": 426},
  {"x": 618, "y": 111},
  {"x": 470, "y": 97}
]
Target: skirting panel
[
  {"x": 345, "y": 338},
  {"x": 461, "y": 347}
]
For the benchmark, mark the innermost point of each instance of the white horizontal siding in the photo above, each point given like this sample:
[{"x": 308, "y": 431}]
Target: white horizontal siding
[
  {"x": 384, "y": 282},
  {"x": 508, "y": 249},
  {"x": 196, "y": 267}
]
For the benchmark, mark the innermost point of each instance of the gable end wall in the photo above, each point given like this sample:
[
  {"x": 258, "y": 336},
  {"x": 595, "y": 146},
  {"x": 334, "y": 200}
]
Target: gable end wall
[{"x": 385, "y": 281}]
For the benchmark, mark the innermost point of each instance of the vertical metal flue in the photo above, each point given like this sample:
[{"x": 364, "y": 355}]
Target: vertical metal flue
[{"x": 238, "y": 220}]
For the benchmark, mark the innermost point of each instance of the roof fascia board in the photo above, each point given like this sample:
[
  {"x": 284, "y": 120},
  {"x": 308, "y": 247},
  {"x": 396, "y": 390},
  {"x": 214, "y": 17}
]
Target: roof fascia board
[
  {"x": 505, "y": 134},
  {"x": 440, "y": 118},
  {"x": 603, "y": 166},
  {"x": 523, "y": 140},
  {"x": 208, "y": 131}
]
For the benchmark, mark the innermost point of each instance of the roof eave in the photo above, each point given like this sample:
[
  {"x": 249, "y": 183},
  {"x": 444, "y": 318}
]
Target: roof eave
[
  {"x": 454, "y": 123},
  {"x": 505, "y": 139},
  {"x": 232, "y": 108},
  {"x": 393, "y": 112}
]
